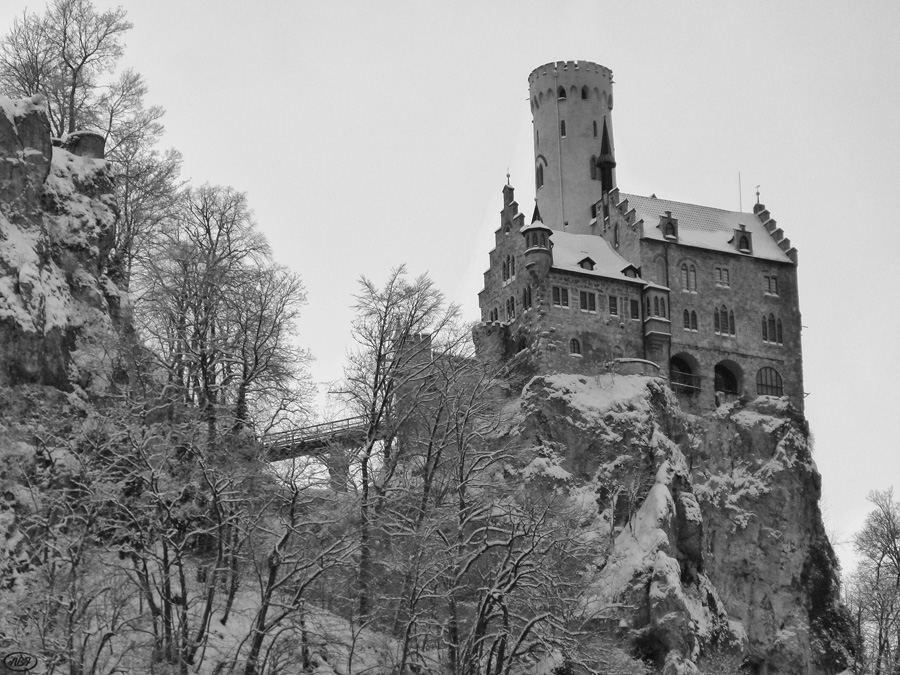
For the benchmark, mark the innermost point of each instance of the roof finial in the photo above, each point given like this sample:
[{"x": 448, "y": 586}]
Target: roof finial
[
  {"x": 507, "y": 175},
  {"x": 757, "y": 194}
]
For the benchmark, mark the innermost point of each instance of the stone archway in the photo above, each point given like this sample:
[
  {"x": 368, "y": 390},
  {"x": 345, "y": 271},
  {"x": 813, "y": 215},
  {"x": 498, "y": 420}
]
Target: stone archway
[
  {"x": 684, "y": 374},
  {"x": 728, "y": 378}
]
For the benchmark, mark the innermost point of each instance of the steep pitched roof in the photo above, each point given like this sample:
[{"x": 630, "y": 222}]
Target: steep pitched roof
[
  {"x": 570, "y": 249},
  {"x": 704, "y": 226}
]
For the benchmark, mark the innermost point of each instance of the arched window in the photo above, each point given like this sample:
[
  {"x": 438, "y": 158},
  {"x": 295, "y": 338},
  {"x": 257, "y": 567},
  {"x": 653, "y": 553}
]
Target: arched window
[
  {"x": 648, "y": 306},
  {"x": 744, "y": 244},
  {"x": 562, "y": 128},
  {"x": 655, "y": 306},
  {"x": 772, "y": 331},
  {"x": 574, "y": 346},
  {"x": 526, "y": 297},
  {"x": 522, "y": 344},
  {"x": 595, "y": 128},
  {"x": 688, "y": 277},
  {"x": 537, "y": 137},
  {"x": 504, "y": 271},
  {"x": 780, "y": 334},
  {"x": 544, "y": 239},
  {"x": 512, "y": 267},
  {"x": 687, "y": 320},
  {"x": 769, "y": 383},
  {"x": 662, "y": 308},
  {"x": 670, "y": 231},
  {"x": 716, "y": 326},
  {"x": 693, "y": 320},
  {"x": 616, "y": 235},
  {"x": 765, "y": 329},
  {"x": 585, "y": 93},
  {"x": 731, "y": 328},
  {"x": 539, "y": 177},
  {"x": 561, "y": 92},
  {"x": 593, "y": 167}
]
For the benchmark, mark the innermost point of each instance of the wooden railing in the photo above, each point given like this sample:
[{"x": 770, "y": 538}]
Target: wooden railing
[{"x": 297, "y": 441}]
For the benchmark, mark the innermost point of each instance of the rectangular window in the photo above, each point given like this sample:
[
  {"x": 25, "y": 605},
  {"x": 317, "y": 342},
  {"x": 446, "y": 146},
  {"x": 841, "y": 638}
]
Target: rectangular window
[
  {"x": 635, "y": 310},
  {"x": 562, "y": 128},
  {"x": 771, "y": 285},
  {"x": 588, "y": 301},
  {"x": 722, "y": 277},
  {"x": 614, "y": 305},
  {"x": 593, "y": 211},
  {"x": 560, "y": 296}
]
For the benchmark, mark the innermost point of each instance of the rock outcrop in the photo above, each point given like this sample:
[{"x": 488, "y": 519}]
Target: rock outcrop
[
  {"x": 711, "y": 551},
  {"x": 57, "y": 220}
]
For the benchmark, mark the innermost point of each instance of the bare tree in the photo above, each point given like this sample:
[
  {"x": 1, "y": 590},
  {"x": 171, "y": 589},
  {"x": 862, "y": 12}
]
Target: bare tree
[
  {"x": 397, "y": 329},
  {"x": 62, "y": 55},
  {"x": 876, "y": 585}
]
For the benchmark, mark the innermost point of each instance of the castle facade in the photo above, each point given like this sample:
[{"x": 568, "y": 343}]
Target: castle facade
[{"x": 599, "y": 278}]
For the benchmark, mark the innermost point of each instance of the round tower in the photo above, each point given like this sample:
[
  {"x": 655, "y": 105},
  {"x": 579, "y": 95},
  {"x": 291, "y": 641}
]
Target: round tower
[{"x": 574, "y": 154}]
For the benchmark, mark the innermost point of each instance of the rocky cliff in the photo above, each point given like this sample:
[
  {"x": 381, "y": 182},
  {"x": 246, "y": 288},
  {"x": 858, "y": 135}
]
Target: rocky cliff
[
  {"x": 57, "y": 219},
  {"x": 711, "y": 551}
]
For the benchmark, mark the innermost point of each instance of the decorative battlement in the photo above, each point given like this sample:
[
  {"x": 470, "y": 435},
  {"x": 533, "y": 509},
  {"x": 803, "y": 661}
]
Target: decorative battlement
[{"x": 554, "y": 68}]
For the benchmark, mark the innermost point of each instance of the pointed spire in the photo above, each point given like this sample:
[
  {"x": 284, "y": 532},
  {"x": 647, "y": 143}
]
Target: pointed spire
[{"x": 536, "y": 218}]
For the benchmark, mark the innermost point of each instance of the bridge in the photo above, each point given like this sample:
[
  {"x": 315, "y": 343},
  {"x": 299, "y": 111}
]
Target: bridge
[{"x": 308, "y": 440}]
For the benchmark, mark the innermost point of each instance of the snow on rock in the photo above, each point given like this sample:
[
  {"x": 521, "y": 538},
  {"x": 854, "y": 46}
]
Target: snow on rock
[
  {"x": 708, "y": 537},
  {"x": 57, "y": 218}
]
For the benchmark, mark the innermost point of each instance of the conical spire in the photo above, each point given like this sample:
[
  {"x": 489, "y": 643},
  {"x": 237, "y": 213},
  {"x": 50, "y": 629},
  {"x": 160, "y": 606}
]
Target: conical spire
[{"x": 536, "y": 218}]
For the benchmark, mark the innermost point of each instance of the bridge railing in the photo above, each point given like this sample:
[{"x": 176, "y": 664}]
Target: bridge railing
[{"x": 315, "y": 432}]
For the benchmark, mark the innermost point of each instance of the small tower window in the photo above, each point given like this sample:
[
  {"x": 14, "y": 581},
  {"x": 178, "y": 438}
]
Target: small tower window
[
  {"x": 562, "y": 128},
  {"x": 686, "y": 317},
  {"x": 594, "y": 167},
  {"x": 616, "y": 235},
  {"x": 574, "y": 347},
  {"x": 694, "y": 321},
  {"x": 526, "y": 297},
  {"x": 539, "y": 177},
  {"x": 585, "y": 94},
  {"x": 561, "y": 92},
  {"x": 595, "y": 128}
]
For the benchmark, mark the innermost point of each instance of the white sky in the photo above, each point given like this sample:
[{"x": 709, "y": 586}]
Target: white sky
[{"x": 370, "y": 134}]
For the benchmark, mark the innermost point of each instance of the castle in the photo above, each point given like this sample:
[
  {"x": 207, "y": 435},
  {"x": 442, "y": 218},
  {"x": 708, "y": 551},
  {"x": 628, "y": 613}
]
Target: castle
[{"x": 703, "y": 296}]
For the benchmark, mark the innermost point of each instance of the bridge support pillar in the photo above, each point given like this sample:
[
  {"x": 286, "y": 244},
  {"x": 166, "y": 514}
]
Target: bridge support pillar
[{"x": 337, "y": 460}]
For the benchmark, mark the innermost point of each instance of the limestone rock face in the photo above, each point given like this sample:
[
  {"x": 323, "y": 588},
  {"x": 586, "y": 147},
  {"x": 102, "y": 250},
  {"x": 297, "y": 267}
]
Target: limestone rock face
[
  {"x": 711, "y": 551},
  {"x": 57, "y": 220}
]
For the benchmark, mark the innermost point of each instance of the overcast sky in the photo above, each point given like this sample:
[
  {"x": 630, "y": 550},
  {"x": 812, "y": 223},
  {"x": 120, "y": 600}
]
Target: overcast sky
[{"x": 371, "y": 134}]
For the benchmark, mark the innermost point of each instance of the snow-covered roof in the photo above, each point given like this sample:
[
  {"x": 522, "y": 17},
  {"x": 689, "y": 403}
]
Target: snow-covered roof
[
  {"x": 570, "y": 249},
  {"x": 704, "y": 226}
]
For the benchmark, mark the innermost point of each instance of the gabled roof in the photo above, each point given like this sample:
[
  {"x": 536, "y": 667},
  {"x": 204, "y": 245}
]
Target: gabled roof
[
  {"x": 570, "y": 249},
  {"x": 704, "y": 226}
]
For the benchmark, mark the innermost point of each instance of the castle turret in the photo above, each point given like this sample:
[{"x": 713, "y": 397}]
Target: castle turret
[
  {"x": 538, "y": 255},
  {"x": 574, "y": 154}
]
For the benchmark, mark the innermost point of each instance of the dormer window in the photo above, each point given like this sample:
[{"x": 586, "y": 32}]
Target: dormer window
[
  {"x": 743, "y": 240},
  {"x": 587, "y": 264},
  {"x": 668, "y": 226}
]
